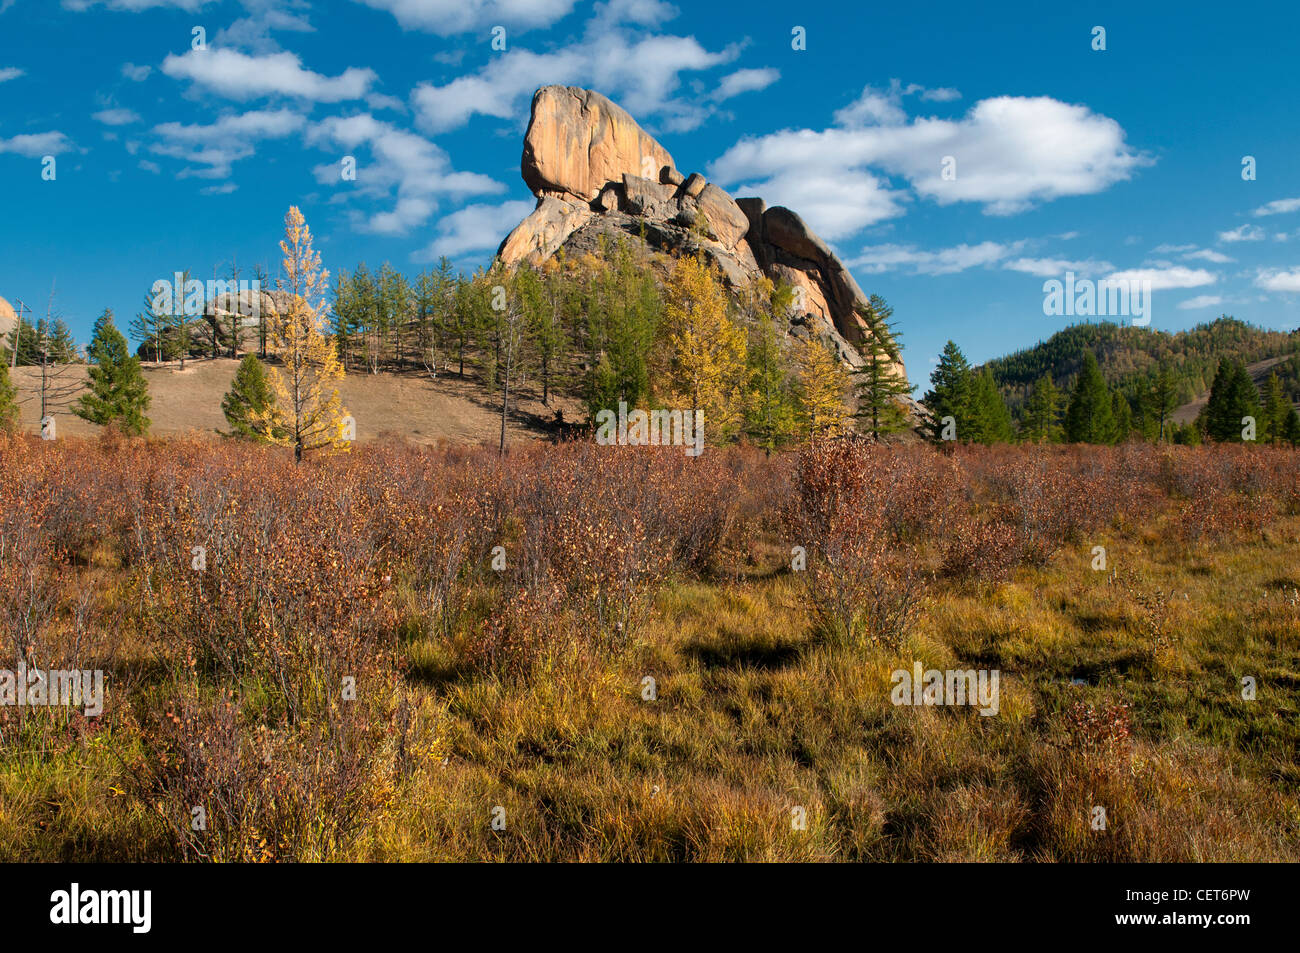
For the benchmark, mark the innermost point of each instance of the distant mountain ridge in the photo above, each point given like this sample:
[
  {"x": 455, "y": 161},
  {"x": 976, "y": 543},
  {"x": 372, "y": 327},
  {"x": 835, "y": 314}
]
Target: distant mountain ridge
[{"x": 1131, "y": 356}]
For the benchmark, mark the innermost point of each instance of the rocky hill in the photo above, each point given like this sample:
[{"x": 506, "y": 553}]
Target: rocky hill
[{"x": 597, "y": 173}]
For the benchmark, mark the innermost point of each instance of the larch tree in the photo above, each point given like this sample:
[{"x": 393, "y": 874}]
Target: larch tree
[
  {"x": 821, "y": 385},
  {"x": 313, "y": 415},
  {"x": 706, "y": 348}
]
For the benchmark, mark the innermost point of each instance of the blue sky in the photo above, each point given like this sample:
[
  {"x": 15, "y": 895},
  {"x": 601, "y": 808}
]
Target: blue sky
[{"x": 1124, "y": 161}]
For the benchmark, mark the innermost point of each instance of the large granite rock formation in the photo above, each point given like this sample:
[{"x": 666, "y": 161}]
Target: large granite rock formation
[{"x": 597, "y": 173}]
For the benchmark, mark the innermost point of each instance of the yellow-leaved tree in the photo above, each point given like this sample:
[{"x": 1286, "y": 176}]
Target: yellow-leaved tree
[
  {"x": 307, "y": 414},
  {"x": 822, "y": 386},
  {"x": 706, "y": 359}
]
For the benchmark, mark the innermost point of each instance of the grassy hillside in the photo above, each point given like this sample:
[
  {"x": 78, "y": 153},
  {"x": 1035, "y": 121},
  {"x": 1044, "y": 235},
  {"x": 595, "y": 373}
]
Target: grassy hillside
[
  {"x": 1130, "y": 357},
  {"x": 409, "y": 404}
]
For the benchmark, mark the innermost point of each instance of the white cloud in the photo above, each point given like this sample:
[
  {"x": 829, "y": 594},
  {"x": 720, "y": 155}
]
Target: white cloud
[
  {"x": 1200, "y": 301},
  {"x": 10, "y": 72},
  {"x": 212, "y": 149},
  {"x": 474, "y": 228},
  {"x": 412, "y": 167},
  {"x": 1010, "y": 153},
  {"x": 36, "y": 145},
  {"x": 1279, "y": 207},
  {"x": 1164, "y": 279},
  {"x": 448, "y": 17},
  {"x": 1049, "y": 267},
  {"x": 136, "y": 74},
  {"x": 1279, "y": 280},
  {"x": 135, "y": 6},
  {"x": 641, "y": 71},
  {"x": 945, "y": 261},
  {"x": 1209, "y": 254},
  {"x": 240, "y": 76},
  {"x": 116, "y": 117},
  {"x": 745, "y": 81},
  {"x": 1172, "y": 249},
  {"x": 1243, "y": 233},
  {"x": 253, "y": 32},
  {"x": 224, "y": 188}
]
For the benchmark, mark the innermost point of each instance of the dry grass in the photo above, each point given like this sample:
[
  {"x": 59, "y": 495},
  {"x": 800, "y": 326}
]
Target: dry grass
[{"x": 758, "y": 717}]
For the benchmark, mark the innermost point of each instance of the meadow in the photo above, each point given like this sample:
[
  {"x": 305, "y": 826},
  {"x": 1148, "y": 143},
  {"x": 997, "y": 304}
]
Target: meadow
[{"x": 582, "y": 653}]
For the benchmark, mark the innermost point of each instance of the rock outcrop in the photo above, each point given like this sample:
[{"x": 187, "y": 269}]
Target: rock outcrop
[{"x": 597, "y": 173}]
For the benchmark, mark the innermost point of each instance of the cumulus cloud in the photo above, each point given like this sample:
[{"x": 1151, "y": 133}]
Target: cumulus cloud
[
  {"x": 241, "y": 76},
  {"x": 1010, "y": 153},
  {"x": 1200, "y": 301},
  {"x": 448, "y": 17},
  {"x": 36, "y": 145},
  {"x": 116, "y": 117},
  {"x": 9, "y": 72},
  {"x": 642, "y": 71},
  {"x": 474, "y": 228},
  {"x": 745, "y": 81},
  {"x": 1166, "y": 278},
  {"x": 1051, "y": 267},
  {"x": 405, "y": 165},
  {"x": 1209, "y": 254},
  {"x": 1243, "y": 233},
  {"x": 212, "y": 149},
  {"x": 1279, "y": 207},
  {"x": 136, "y": 74},
  {"x": 945, "y": 261},
  {"x": 1279, "y": 280}
]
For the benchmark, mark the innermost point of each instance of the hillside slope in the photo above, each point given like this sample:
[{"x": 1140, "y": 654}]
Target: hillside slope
[
  {"x": 411, "y": 404},
  {"x": 1131, "y": 356}
]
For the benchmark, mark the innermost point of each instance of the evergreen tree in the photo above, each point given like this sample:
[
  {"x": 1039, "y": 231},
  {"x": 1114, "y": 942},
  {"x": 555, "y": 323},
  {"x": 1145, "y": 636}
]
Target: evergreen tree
[
  {"x": 1163, "y": 400},
  {"x": 1123, "y": 414},
  {"x": 249, "y": 406},
  {"x": 118, "y": 393},
  {"x": 1292, "y": 427},
  {"x": 950, "y": 393},
  {"x": 1089, "y": 418},
  {"x": 61, "y": 346},
  {"x": 769, "y": 404},
  {"x": 990, "y": 418},
  {"x": 1277, "y": 406},
  {"x": 878, "y": 382},
  {"x": 1233, "y": 396},
  {"x": 1043, "y": 411}
]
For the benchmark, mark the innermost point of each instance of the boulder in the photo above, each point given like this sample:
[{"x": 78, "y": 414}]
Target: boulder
[
  {"x": 726, "y": 221},
  {"x": 578, "y": 141},
  {"x": 541, "y": 234}
]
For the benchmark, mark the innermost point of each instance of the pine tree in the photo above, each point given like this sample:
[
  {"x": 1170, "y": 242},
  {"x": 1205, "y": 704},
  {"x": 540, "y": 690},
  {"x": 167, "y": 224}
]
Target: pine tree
[
  {"x": 1233, "y": 396},
  {"x": 118, "y": 393},
  {"x": 1164, "y": 400},
  {"x": 878, "y": 382},
  {"x": 249, "y": 406},
  {"x": 1122, "y": 411},
  {"x": 990, "y": 418},
  {"x": 1043, "y": 411},
  {"x": 1089, "y": 418},
  {"x": 1276, "y": 408},
  {"x": 1292, "y": 427},
  {"x": 706, "y": 348},
  {"x": 313, "y": 416},
  {"x": 950, "y": 393},
  {"x": 62, "y": 347}
]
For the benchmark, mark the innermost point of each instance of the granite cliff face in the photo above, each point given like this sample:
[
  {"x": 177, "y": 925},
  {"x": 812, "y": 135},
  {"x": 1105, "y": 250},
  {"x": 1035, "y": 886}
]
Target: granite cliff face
[{"x": 596, "y": 173}]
